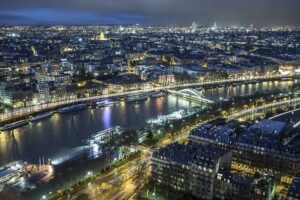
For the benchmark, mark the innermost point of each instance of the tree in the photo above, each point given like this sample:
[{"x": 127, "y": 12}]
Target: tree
[
  {"x": 129, "y": 136},
  {"x": 150, "y": 135}
]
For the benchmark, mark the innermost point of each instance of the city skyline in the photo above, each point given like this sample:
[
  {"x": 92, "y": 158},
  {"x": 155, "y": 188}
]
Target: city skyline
[
  {"x": 149, "y": 99},
  {"x": 146, "y": 12}
]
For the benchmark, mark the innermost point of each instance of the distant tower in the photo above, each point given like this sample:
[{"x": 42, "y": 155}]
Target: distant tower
[
  {"x": 194, "y": 27},
  {"x": 215, "y": 25},
  {"x": 34, "y": 50},
  {"x": 121, "y": 28},
  {"x": 251, "y": 26}
]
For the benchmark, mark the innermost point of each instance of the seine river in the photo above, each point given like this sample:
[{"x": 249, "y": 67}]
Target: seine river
[{"x": 59, "y": 133}]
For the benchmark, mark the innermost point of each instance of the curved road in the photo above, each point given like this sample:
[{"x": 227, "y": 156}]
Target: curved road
[{"x": 294, "y": 115}]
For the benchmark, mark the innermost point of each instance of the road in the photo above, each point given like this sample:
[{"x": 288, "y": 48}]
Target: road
[
  {"x": 293, "y": 115},
  {"x": 276, "y": 60},
  {"x": 124, "y": 181},
  {"x": 236, "y": 115},
  {"x": 117, "y": 184}
]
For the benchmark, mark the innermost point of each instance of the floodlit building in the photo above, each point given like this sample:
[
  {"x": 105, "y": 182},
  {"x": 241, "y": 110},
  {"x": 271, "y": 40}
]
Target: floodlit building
[{"x": 101, "y": 37}]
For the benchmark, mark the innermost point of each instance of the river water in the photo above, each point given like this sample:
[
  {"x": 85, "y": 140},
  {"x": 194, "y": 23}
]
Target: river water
[{"x": 59, "y": 133}]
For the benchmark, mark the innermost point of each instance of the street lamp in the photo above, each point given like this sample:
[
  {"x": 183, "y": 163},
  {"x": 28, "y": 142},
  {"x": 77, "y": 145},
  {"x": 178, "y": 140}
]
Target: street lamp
[
  {"x": 153, "y": 192},
  {"x": 89, "y": 173}
]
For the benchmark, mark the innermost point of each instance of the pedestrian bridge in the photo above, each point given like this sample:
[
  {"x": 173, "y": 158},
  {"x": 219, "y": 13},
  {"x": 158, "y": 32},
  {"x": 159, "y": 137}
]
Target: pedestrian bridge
[{"x": 191, "y": 94}]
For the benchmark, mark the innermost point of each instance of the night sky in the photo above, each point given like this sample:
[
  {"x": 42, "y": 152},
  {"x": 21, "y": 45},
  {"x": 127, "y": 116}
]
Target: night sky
[{"x": 159, "y": 12}]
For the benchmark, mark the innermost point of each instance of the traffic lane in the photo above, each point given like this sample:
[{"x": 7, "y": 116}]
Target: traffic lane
[{"x": 293, "y": 115}]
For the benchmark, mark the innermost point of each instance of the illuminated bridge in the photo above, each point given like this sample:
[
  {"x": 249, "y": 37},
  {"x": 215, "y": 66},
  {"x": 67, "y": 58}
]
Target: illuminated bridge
[{"x": 191, "y": 94}]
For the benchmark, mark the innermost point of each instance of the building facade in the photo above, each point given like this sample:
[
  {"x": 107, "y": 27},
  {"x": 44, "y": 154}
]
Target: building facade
[
  {"x": 189, "y": 168},
  {"x": 262, "y": 145}
]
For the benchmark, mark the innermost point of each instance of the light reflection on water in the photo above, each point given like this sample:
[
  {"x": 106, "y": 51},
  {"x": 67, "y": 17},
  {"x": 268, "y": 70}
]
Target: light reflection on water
[{"x": 51, "y": 136}]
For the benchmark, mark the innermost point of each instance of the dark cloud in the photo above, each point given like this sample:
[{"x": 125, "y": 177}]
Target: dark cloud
[
  {"x": 50, "y": 16},
  {"x": 13, "y": 19},
  {"x": 205, "y": 12}
]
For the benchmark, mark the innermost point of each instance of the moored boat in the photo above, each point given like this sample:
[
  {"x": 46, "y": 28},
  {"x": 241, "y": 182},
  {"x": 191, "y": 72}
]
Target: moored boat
[
  {"x": 72, "y": 108},
  {"x": 41, "y": 116},
  {"x": 136, "y": 98},
  {"x": 14, "y": 125},
  {"x": 158, "y": 95},
  {"x": 105, "y": 103}
]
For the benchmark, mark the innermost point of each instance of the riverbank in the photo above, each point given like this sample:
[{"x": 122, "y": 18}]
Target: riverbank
[{"x": 25, "y": 112}]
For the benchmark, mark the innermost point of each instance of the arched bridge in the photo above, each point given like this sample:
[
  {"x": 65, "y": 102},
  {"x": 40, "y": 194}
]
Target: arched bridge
[{"x": 191, "y": 94}]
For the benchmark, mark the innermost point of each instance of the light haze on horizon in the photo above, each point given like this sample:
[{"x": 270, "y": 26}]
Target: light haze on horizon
[{"x": 158, "y": 12}]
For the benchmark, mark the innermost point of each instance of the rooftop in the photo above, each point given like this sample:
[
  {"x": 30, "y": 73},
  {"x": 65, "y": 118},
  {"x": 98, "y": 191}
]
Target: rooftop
[
  {"x": 212, "y": 131},
  {"x": 268, "y": 126},
  {"x": 191, "y": 153},
  {"x": 266, "y": 134}
]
